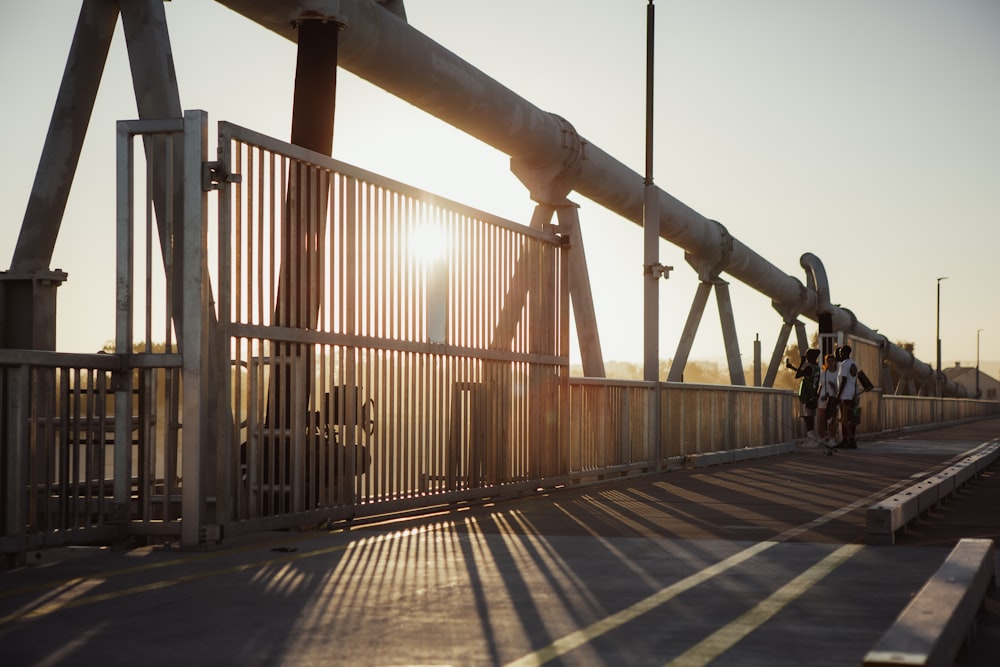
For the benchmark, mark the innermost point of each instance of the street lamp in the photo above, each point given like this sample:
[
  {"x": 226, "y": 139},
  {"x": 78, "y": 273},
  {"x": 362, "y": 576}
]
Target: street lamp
[
  {"x": 938, "y": 378},
  {"x": 978, "y": 331}
]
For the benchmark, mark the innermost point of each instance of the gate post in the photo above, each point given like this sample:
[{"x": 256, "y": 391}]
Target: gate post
[
  {"x": 194, "y": 335},
  {"x": 15, "y": 390}
]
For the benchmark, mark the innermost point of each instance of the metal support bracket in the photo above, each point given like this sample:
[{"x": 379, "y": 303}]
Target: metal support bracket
[
  {"x": 214, "y": 175},
  {"x": 657, "y": 270}
]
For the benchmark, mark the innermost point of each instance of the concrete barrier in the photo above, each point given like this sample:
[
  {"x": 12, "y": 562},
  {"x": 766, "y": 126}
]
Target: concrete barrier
[
  {"x": 931, "y": 629},
  {"x": 894, "y": 513},
  {"x": 706, "y": 459}
]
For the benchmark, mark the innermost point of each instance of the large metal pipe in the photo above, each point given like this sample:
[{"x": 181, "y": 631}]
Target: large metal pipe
[{"x": 380, "y": 47}]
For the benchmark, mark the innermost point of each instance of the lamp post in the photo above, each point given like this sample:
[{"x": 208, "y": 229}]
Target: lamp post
[
  {"x": 653, "y": 270},
  {"x": 978, "y": 331},
  {"x": 937, "y": 379}
]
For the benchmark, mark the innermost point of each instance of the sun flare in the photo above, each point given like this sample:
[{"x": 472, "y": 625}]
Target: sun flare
[{"x": 428, "y": 243}]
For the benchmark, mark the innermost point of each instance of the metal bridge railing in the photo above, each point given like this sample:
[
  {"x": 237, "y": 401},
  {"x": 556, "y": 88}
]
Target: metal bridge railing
[
  {"x": 903, "y": 412},
  {"x": 608, "y": 421},
  {"x": 65, "y": 457},
  {"x": 61, "y": 461}
]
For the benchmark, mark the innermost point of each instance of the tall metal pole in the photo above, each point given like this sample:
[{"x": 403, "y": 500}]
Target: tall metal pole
[
  {"x": 937, "y": 377},
  {"x": 978, "y": 331},
  {"x": 651, "y": 228},
  {"x": 652, "y": 269}
]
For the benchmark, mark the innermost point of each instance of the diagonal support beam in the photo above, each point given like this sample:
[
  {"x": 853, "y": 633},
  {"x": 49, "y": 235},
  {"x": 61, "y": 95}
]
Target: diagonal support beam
[
  {"x": 729, "y": 337},
  {"x": 580, "y": 294},
  {"x": 725, "y": 304},
  {"x": 690, "y": 329},
  {"x": 64, "y": 141},
  {"x": 777, "y": 353},
  {"x": 579, "y": 288}
]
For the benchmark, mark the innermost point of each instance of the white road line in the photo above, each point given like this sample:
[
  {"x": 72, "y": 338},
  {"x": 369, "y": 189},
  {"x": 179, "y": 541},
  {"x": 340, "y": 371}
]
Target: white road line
[{"x": 576, "y": 639}]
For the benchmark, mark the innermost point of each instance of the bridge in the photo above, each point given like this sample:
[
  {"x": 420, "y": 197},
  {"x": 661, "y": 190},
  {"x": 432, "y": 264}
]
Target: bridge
[{"x": 302, "y": 342}]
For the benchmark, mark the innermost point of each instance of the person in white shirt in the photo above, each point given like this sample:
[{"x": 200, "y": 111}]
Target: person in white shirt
[
  {"x": 847, "y": 392},
  {"x": 826, "y": 404}
]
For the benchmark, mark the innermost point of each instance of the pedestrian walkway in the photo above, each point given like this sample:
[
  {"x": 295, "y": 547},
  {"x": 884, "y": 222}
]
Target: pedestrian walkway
[{"x": 761, "y": 562}]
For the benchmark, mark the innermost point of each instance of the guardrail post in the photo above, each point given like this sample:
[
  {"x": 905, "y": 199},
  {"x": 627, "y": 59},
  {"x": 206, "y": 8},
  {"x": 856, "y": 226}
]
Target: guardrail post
[{"x": 15, "y": 394}]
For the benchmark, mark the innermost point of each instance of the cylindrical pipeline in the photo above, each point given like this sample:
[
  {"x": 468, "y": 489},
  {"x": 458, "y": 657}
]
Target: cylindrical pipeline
[{"x": 383, "y": 49}]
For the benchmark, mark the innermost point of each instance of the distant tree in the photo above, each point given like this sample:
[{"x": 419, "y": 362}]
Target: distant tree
[
  {"x": 158, "y": 348},
  {"x": 705, "y": 372},
  {"x": 623, "y": 370}
]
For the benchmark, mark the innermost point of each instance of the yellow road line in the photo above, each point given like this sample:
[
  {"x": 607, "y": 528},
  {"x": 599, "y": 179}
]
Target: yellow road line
[{"x": 729, "y": 635}]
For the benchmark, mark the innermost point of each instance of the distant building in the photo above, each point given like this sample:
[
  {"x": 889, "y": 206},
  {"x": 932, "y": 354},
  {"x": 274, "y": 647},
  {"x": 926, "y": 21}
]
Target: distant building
[{"x": 989, "y": 387}]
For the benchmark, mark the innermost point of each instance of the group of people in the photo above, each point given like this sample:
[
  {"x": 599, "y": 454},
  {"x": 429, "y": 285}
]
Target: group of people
[{"x": 828, "y": 394}]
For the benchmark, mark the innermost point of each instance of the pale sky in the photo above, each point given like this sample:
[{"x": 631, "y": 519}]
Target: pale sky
[{"x": 864, "y": 131}]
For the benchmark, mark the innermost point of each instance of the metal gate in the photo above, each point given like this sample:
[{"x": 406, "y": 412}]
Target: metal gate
[{"x": 386, "y": 348}]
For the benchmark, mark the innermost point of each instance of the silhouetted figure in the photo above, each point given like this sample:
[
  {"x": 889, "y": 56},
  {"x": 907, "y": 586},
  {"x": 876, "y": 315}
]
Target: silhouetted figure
[{"x": 807, "y": 372}]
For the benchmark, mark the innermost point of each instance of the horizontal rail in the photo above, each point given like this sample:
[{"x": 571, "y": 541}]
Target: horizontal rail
[
  {"x": 43, "y": 359},
  {"x": 306, "y": 336},
  {"x": 99, "y": 361}
]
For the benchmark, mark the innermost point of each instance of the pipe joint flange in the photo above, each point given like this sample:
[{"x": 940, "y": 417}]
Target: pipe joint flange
[
  {"x": 710, "y": 268},
  {"x": 549, "y": 182},
  {"x": 572, "y": 147},
  {"x": 725, "y": 247}
]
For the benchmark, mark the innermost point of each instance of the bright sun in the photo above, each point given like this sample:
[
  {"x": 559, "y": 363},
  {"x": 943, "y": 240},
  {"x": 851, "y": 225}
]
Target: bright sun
[{"x": 428, "y": 243}]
